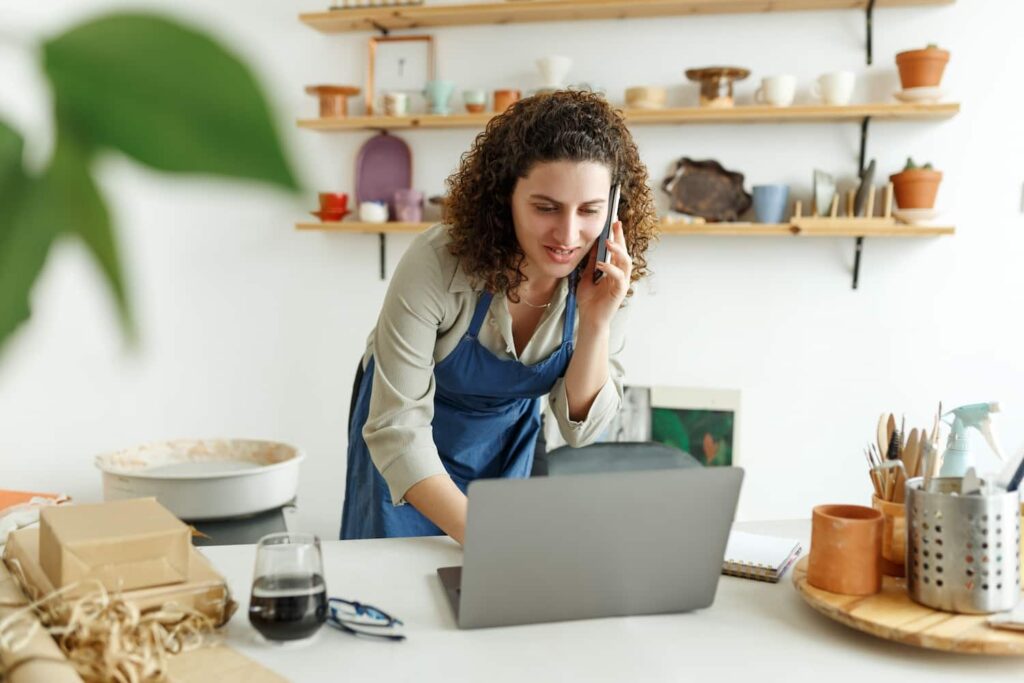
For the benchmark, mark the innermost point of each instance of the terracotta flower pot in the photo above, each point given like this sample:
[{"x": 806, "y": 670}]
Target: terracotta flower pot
[
  {"x": 894, "y": 536},
  {"x": 846, "y": 549},
  {"x": 922, "y": 68},
  {"x": 916, "y": 188}
]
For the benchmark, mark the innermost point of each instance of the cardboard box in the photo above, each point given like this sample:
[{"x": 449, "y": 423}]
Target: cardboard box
[
  {"x": 125, "y": 544},
  {"x": 205, "y": 591}
]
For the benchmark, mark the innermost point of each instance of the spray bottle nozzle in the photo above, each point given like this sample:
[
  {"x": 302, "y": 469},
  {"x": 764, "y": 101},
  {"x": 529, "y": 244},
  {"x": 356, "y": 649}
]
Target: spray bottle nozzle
[{"x": 979, "y": 416}]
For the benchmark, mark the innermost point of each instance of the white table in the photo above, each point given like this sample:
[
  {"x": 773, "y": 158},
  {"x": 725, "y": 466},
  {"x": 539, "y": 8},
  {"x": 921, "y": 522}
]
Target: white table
[{"x": 754, "y": 632}]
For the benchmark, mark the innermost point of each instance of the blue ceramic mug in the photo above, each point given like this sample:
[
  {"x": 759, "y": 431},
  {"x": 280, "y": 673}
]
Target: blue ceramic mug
[
  {"x": 438, "y": 93},
  {"x": 770, "y": 203}
]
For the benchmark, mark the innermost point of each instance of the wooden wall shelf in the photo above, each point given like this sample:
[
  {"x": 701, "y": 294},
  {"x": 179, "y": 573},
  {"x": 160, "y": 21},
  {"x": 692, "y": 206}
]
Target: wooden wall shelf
[
  {"x": 431, "y": 16},
  {"x": 672, "y": 228},
  {"x": 677, "y": 115}
]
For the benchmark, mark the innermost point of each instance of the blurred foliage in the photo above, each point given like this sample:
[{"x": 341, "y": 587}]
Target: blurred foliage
[{"x": 165, "y": 95}]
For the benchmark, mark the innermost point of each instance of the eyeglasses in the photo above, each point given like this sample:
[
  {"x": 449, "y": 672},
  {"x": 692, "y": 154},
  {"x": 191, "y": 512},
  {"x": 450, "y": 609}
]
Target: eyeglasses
[{"x": 362, "y": 620}]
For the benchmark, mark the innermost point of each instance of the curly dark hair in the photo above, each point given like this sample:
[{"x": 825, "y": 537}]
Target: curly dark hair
[{"x": 565, "y": 125}]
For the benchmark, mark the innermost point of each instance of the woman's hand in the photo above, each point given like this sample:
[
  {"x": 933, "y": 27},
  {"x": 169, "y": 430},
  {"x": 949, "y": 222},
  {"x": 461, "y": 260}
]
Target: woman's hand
[{"x": 598, "y": 303}]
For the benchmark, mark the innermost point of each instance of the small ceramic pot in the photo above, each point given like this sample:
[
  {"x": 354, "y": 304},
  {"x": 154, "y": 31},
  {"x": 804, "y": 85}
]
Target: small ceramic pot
[
  {"x": 922, "y": 68},
  {"x": 503, "y": 99},
  {"x": 894, "y": 536},
  {"x": 333, "y": 202},
  {"x": 846, "y": 549},
  {"x": 553, "y": 70},
  {"x": 770, "y": 202},
  {"x": 373, "y": 212},
  {"x": 916, "y": 188},
  {"x": 408, "y": 206},
  {"x": 396, "y": 103},
  {"x": 646, "y": 97},
  {"x": 475, "y": 100}
]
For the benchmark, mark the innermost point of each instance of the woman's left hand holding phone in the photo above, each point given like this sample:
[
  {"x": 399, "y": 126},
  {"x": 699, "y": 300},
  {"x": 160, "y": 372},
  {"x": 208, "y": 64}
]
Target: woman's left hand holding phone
[{"x": 599, "y": 302}]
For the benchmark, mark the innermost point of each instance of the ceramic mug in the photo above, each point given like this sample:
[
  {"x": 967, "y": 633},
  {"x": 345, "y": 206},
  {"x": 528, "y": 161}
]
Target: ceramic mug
[
  {"x": 553, "y": 70},
  {"x": 777, "y": 91},
  {"x": 834, "y": 88},
  {"x": 438, "y": 93},
  {"x": 770, "y": 203},
  {"x": 396, "y": 103},
  {"x": 333, "y": 202},
  {"x": 373, "y": 212},
  {"x": 475, "y": 100},
  {"x": 409, "y": 205},
  {"x": 846, "y": 549},
  {"x": 503, "y": 99}
]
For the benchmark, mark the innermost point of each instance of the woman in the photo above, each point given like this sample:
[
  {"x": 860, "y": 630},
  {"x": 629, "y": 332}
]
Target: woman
[{"x": 494, "y": 309}]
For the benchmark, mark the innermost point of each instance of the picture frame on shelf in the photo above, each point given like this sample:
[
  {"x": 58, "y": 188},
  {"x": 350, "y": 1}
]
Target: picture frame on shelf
[
  {"x": 398, "y": 64},
  {"x": 701, "y": 422}
]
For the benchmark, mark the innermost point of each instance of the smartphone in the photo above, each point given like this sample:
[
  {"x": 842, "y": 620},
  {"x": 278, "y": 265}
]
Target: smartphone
[{"x": 606, "y": 233}]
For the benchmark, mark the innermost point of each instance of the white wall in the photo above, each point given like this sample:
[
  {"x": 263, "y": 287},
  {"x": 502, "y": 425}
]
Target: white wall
[{"x": 251, "y": 329}]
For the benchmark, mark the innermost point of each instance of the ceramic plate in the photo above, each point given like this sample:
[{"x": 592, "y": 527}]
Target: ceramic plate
[
  {"x": 915, "y": 215},
  {"x": 912, "y": 95},
  {"x": 384, "y": 164},
  {"x": 332, "y": 216},
  {"x": 705, "y": 189}
]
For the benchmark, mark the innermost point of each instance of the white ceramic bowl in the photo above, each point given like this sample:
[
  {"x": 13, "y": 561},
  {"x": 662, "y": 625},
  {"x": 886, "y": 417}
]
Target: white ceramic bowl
[{"x": 199, "y": 479}]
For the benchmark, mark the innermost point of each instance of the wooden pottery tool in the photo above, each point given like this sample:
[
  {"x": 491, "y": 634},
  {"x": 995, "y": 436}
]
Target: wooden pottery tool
[
  {"x": 910, "y": 453},
  {"x": 883, "y": 437}
]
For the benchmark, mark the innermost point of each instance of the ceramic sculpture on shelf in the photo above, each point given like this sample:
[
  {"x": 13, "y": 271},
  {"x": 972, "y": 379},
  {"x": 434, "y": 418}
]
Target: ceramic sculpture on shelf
[
  {"x": 553, "y": 70},
  {"x": 716, "y": 84},
  {"x": 706, "y": 190}
]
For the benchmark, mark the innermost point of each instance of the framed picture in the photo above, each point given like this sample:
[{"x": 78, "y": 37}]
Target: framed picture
[
  {"x": 702, "y": 422},
  {"x": 398, "y": 64}
]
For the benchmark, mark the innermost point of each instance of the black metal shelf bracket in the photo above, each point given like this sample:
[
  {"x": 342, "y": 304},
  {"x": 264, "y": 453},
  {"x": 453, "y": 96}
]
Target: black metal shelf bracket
[
  {"x": 859, "y": 246},
  {"x": 383, "y": 255},
  {"x": 869, "y": 12},
  {"x": 384, "y": 30}
]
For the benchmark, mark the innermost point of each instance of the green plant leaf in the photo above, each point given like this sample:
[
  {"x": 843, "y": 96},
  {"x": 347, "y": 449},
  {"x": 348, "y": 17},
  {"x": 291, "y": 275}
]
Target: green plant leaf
[
  {"x": 82, "y": 211},
  {"x": 63, "y": 200},
  {"x": 166, "y": 95},
  {"x": 23, "y": 248}
]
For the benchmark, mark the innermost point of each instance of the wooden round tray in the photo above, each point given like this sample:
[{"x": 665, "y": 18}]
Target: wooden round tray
[{"x": 891, "y": 614}]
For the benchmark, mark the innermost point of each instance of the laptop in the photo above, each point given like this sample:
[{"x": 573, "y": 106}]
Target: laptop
[{"x": 592, "y": 545}]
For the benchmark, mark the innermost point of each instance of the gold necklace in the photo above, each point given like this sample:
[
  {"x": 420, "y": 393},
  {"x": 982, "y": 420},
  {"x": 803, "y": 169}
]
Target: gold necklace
[{"x": 523, "y": 300}]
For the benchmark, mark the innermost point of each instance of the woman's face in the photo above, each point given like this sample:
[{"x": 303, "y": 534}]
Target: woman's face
[{"x": 558, "y": 210}]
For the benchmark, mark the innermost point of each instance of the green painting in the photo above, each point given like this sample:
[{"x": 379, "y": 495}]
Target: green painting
[{"x": 707, "y": 435}]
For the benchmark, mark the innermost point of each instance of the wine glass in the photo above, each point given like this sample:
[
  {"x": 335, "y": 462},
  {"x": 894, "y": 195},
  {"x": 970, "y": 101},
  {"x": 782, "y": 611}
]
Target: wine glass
[{"x": 289, "y": 597}]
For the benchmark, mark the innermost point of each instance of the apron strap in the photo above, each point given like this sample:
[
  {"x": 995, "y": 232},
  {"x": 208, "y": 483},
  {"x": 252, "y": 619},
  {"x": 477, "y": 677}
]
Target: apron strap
[
  {"x": 570, "y": 310},
  {"x": 478, "y": 315}
]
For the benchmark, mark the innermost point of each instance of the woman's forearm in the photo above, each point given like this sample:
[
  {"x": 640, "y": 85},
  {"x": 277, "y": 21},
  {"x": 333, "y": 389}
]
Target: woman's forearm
[
  {"x": 588, "y": 370},
  {"x": 440, "y": 501}
]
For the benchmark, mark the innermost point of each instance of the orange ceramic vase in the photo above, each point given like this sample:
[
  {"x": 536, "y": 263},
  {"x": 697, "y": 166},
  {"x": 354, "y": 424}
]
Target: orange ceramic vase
[
  {"x": 894, "y": 536},
  {"x": 846, "y": 549},
  {"x": 916, "y": 188},
  {"x": 922, "y": 68}
]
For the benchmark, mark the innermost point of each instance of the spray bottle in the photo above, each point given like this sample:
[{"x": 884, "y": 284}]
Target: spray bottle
[{"x": 958, "y": 457}]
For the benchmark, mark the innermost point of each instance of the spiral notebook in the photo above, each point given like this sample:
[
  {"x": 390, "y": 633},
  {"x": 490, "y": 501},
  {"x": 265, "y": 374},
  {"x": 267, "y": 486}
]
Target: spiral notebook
[{"x": 759, "y": 557}]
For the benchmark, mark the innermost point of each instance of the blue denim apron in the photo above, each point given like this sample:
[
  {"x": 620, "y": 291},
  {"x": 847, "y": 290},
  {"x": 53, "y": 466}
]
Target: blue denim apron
[{"x": 485, "y": 425}]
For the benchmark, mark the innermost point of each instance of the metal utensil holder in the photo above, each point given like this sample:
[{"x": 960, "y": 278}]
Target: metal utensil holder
[{"x": 963, "y": 552}]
